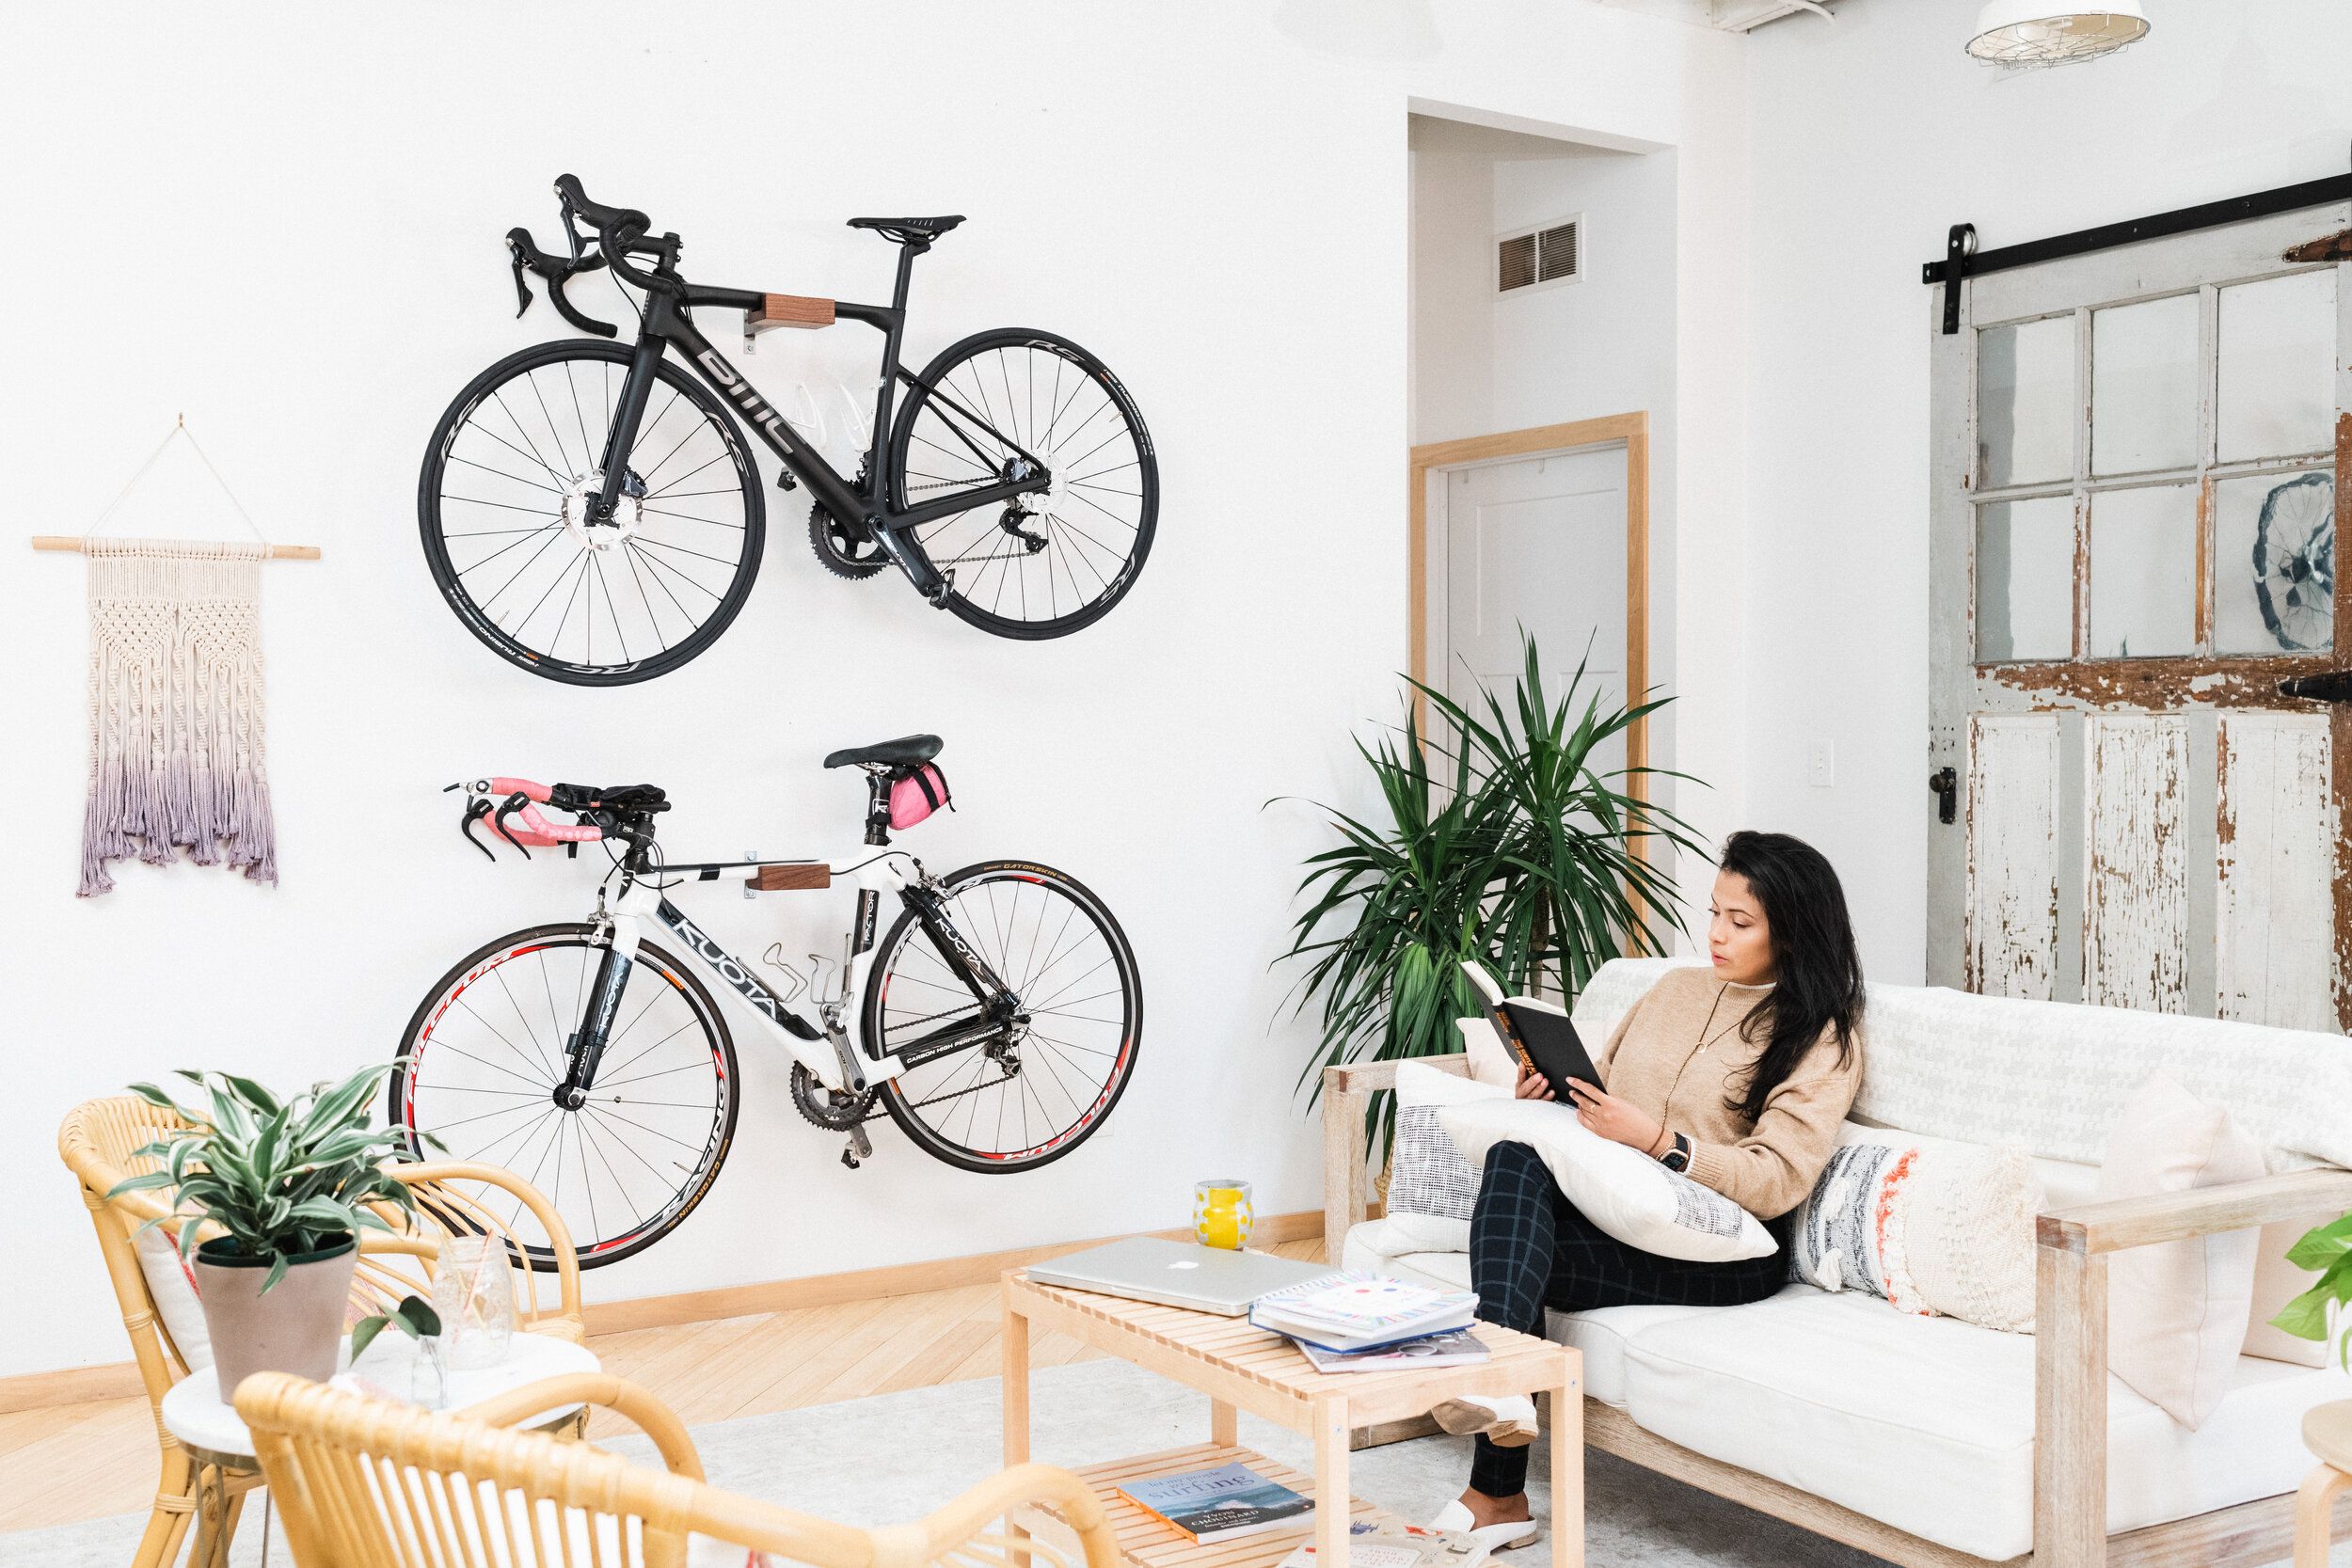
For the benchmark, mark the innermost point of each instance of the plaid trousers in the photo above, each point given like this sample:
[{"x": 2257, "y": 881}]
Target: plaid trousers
[{"x": 1531, "y": 1248}]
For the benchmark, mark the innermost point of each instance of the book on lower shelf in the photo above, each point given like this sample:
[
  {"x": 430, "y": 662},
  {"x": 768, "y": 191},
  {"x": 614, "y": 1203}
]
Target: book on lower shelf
[
  {"x": 1456, "y": 1347},
  {"x": 1220, "y": 1504}
]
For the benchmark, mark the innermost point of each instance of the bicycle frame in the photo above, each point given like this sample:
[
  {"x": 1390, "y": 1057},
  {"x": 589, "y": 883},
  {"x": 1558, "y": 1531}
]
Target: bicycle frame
[
  {"x": 667, "y": 322},
  {"x": 840, "y": 1057}
]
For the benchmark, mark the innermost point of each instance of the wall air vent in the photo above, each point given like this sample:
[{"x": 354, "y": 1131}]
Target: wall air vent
[{"x": 1544, "y": 254}]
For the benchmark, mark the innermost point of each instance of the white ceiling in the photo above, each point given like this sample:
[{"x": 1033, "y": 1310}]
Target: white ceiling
[{"x": 1731, "y": 15}]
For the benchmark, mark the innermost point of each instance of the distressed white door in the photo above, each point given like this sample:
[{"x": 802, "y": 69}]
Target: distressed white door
[
  {"x": 2136, "y": 490},
  {"x": 1537, "y": 542}
]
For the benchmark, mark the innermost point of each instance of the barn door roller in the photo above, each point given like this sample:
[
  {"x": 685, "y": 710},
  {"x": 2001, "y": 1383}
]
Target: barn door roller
[{"x": 2328, "y": 686}]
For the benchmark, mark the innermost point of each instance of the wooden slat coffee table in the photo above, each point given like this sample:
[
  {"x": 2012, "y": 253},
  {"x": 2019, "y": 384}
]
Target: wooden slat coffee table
[{"x": 1241, "y": 1367}]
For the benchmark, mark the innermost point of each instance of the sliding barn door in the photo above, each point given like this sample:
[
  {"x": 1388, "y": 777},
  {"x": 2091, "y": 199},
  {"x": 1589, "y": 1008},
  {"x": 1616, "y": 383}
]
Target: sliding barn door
[{"x": 2135, "y": 491}]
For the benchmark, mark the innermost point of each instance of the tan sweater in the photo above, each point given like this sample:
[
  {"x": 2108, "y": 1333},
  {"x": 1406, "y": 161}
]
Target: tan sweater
[{"x": 1653, "y": 1060}]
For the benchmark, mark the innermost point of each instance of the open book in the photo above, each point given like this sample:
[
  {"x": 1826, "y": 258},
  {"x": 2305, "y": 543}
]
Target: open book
[{"x": 1537, "y": 1032}]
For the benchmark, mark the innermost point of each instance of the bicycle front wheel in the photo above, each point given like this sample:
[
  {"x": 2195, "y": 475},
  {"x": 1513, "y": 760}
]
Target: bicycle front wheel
[
  {"x": 503, "y": 504},
  {"x": 1033, "y": 1093},
  {"x": 486, "y": 1050},
  {"x": 1061, "y": 559}
]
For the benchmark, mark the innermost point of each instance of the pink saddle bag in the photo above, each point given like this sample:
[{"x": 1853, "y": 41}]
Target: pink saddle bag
[{"x": 917, "y": 795}]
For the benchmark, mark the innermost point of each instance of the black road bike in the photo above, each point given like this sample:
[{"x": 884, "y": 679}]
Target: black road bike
[{"x": 592, "y": 511}]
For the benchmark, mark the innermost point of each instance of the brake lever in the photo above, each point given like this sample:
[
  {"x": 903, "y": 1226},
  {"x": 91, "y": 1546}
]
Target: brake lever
[
  {"x": 522, "y": 290},
  {"x": 475, "y": 811},
  {"x": 514, "y": 803},
  {"x": 556, "y": 272}
]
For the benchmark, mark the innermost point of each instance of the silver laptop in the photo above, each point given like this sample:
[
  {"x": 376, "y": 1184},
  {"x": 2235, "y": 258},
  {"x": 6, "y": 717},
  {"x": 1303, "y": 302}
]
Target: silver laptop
[{"x": 1177, "y": 1273}]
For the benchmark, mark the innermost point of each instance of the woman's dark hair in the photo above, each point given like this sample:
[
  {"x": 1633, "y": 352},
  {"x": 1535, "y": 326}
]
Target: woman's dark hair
[{"x": 1817, "y": 974}]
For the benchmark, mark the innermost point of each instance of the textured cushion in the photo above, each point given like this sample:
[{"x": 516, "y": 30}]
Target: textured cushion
[
  {"x": 1623, "y": 1191},
  {"x": 1931, "y": 1224},
  {"x": 172, "y": 1285},
  {"x": 2177, "y": 1312},
  {"x": 1927, "y": 1423},
  {"x": 1432, "y": 1189},
  {"x": 2051, "y": 1077}
]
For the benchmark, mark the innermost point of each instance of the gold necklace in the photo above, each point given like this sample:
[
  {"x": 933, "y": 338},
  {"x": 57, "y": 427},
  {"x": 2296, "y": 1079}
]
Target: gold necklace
[{"x": 1705, "y": 1038}]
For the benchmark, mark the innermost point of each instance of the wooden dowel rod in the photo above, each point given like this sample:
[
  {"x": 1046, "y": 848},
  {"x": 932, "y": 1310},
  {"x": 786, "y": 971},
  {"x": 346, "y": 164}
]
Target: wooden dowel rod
[{"x": 73, "y": 543}]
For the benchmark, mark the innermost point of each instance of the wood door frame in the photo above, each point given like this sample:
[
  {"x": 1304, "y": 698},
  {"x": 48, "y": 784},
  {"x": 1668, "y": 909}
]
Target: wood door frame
[{"x": 1631, "y": 431}]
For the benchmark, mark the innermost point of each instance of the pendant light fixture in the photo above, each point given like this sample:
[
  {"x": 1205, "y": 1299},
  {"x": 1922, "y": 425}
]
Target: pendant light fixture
[{"x": 2024, "y": 34}]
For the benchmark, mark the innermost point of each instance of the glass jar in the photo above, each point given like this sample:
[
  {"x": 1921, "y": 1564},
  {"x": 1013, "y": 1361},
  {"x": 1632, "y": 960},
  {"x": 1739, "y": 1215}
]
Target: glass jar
[
  {"x": 428, "y": 1378},
  {"x": 474, "y": 1293},
  {"x": 1221, "y": 1213}
]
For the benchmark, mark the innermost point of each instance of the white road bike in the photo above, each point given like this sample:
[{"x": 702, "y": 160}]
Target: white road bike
[{"x": 997, "y": 1020}]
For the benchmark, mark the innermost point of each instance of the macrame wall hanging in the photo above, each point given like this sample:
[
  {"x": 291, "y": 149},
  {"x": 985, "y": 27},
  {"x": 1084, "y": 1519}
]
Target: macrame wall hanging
[{"x": 176, "y": 755}]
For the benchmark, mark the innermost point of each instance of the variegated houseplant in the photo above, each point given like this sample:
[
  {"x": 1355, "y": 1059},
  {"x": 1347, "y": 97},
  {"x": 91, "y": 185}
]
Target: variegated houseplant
[{"x": 290, "y": 1185}]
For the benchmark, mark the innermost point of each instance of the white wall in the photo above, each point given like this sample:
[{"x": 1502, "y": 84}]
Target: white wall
[
  {"x": 1870, "y": 136},
  {"x": 286, "y": 224}
]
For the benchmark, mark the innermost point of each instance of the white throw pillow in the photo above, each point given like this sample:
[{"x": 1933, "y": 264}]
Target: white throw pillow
[
  {"x": 1432, "y": 1189},
  {"x": 2176, "y": 1311},
  {"x": 172, "y": 1285},
  {"x": 1623, "y": 1191},
  {"x": 1490, "y": 1060}
]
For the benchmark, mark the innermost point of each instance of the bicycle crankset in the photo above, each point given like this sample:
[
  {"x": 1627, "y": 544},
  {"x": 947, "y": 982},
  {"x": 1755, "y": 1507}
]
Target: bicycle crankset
[
  {"x": 831, "y": 1109},
  {"x": 846, "y": 549}
]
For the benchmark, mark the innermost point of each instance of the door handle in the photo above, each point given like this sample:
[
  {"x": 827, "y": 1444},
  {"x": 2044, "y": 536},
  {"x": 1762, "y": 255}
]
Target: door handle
[
  {"x": 2328, "y": 686},
  {"x": 1946, "y": 782}
]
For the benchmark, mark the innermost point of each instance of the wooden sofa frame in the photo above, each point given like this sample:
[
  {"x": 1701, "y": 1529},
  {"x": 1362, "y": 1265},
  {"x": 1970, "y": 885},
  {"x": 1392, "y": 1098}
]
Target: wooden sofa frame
[{"x": 2070, "y": 1370}]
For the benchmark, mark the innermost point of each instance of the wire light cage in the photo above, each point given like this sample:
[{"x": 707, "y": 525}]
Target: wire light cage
[{"x": 2031, "y": 35}]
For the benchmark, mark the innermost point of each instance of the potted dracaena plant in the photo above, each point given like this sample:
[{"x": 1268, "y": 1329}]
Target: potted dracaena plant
[
  {"x": 288, "y": 1185},
  {"x": 1512, "y": 850}
]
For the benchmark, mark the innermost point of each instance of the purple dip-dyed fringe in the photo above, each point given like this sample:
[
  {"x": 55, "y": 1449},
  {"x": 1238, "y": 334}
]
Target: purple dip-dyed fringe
[{"x": 176, "y": 733}]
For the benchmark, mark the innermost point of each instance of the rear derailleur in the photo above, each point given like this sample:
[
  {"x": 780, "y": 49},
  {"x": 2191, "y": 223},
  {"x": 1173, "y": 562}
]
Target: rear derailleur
[{"x": 838, "y": 1111}]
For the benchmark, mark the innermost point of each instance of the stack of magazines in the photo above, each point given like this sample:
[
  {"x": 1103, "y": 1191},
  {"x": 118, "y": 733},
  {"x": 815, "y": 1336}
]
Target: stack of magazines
[{"x": 1362, "y": 1322}]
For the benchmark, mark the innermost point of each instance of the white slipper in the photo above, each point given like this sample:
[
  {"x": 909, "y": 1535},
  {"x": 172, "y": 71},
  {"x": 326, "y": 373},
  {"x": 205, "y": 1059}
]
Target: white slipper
[
  {"x": 1493, "y": 1538},
  {"x": 1507, "y": 1421}
]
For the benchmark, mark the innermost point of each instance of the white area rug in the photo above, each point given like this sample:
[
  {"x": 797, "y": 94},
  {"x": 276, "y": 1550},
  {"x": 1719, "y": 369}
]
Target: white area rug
[{"x": 894, "y": 1457}]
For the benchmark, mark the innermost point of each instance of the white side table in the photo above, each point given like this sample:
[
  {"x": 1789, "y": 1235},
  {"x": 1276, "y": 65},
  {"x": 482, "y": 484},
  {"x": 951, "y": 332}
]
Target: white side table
[{"x": 208, "y": 1426}]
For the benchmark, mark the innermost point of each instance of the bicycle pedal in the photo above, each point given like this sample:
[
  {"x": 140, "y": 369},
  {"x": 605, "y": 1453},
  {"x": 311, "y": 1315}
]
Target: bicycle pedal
[
  {"x": 786, "y": 482},
  {"x": 861, "y": 1148}
]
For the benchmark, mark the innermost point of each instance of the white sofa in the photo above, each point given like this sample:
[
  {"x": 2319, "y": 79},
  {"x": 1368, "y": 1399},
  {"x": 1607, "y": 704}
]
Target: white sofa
[{"x": 1928, "y": 1440}]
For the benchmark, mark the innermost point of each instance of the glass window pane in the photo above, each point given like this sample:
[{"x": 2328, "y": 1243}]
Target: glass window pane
[
  {"x": 2278, "y": 366},
  {"x": 2025, "y": 578},
  {"x": 2025, "y": 401},
  {"x": 2143, "y": 386},
  {"x": 2143, "y": 571},
  {"x": 2274, "y": 564}
]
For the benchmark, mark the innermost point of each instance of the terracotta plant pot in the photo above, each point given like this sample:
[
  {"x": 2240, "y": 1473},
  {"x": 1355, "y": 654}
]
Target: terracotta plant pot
[{"x": 298, "y": 1327}]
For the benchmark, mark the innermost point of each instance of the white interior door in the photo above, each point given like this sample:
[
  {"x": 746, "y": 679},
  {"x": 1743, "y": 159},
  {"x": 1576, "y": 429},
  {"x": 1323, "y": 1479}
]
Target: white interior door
[{"x": 1537, "y": 542}]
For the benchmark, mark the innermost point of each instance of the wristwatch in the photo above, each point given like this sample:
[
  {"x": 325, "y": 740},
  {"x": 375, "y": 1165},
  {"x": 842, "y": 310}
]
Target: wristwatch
[{"x": 1678, "y": 1157}]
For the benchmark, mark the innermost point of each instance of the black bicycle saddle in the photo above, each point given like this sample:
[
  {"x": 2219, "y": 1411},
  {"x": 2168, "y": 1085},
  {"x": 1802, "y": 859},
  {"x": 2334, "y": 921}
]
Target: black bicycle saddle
[
  {"x": 903, "y": 230},
  {"x": 907, "y": 748}
]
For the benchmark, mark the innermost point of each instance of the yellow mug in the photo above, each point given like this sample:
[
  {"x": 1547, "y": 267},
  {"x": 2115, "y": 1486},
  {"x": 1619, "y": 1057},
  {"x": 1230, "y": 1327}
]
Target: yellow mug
[{"x": 1221, "y": 1213}]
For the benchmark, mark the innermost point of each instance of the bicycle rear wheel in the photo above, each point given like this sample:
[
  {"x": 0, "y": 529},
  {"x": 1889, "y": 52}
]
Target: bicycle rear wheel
[
  {"x": 1079, "y": 549},
  {"x": 1032, "y": 1094},
  {"x": 486, "y": 1049},
  {"x": 502, "y": 504}
]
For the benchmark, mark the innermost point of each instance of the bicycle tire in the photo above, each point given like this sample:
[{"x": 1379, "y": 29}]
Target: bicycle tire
[
  {"x": 448, "y": 575},
  {"x": 1075, "y": 548},
  {"x": 594, "y": 1249},
  {"x": 902, "y": 1104}
]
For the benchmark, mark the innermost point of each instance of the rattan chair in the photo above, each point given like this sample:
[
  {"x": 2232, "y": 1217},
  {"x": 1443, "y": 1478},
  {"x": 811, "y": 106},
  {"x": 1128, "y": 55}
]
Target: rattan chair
[
  {"x": 361, "y": 1483},
  {"x": 97, "y": 1141}
]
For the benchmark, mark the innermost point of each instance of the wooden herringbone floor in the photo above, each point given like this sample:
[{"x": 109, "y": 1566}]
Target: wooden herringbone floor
[{"x": 73, "y": 1461}]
